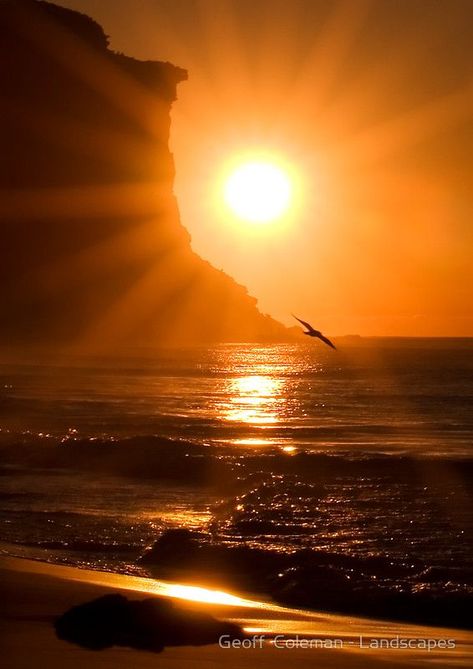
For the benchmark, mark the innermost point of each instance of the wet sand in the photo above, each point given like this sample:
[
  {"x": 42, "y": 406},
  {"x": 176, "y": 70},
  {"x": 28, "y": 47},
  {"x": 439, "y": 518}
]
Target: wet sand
[{"x": 34, "y": 593}]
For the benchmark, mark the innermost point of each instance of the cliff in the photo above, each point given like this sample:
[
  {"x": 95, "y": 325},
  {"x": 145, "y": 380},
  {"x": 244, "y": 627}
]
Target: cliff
[{"x": 93, "y": 250}]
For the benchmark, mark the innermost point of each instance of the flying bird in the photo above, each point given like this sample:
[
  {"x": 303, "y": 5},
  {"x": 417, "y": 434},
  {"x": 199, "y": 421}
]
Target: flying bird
[{"x": 315, "y": 333}]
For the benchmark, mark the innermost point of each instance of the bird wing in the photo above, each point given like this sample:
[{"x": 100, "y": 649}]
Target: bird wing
[
  {"x": 306, "y": 325},
  {"x": 327, "y": 341}
]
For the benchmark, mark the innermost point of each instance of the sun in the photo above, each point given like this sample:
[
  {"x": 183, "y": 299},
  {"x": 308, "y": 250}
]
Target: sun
[{"x": 258, "y": 192}]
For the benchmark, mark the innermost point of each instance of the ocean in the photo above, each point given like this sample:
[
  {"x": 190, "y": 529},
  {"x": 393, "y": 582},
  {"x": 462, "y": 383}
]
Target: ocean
[{"x": 339, "y": 479}]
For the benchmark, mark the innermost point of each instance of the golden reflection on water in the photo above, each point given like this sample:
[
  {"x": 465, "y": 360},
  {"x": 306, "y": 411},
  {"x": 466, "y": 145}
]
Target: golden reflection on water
[
  {"x": 290, "y": 450},
  {"x": 252, "y": 441},
  {"x": 255, "y": 400}
]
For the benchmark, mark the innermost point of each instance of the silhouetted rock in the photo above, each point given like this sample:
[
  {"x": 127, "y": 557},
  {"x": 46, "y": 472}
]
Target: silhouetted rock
[
  {"x": 150, "y": 624},
  {"x": 172, "y": 545},
  {"x": 358, "y": 585},
  {"x": 93, "y": 250},
  {"x": 202, "y": 560}
]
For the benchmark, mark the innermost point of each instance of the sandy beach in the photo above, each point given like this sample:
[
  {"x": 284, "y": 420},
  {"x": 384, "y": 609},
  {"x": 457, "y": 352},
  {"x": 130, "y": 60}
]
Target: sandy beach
[{"x": 34, "y": 593}]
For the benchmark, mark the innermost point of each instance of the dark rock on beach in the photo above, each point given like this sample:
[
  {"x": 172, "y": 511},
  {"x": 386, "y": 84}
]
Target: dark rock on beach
[
  {"x": 200, "y": 559},
  {"x": 313, "y": 579},
  {"x": 148, "y": 624}
]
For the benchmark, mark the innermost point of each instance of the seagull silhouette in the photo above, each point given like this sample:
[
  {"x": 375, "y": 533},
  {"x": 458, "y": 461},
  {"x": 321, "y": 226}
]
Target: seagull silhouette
[{"x": 315, "y": 333}]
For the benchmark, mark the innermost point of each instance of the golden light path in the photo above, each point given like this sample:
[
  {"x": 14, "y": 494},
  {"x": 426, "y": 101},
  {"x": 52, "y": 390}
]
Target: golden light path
[{"x": 254, "y": 400}]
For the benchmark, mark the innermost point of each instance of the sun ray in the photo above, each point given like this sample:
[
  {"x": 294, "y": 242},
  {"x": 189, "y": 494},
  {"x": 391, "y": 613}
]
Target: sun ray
[
  {"x": 132, "y": 307},
  {"x": 84, "y": 201},
  {"x": 400, "y": 133},
  {"x": 324, "y": 62}
]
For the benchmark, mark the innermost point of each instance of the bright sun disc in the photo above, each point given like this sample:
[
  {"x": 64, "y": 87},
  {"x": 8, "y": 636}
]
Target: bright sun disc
[{"x": 258, "y": 192}]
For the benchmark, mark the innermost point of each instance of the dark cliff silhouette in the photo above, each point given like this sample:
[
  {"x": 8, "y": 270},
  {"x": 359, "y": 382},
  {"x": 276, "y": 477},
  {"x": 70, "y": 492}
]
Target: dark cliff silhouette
[{"x": 92, "y": 248}]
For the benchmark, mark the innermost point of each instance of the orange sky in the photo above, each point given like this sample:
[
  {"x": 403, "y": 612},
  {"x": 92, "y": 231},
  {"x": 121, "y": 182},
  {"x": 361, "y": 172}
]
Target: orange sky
[{"x": 370, "y": 104}]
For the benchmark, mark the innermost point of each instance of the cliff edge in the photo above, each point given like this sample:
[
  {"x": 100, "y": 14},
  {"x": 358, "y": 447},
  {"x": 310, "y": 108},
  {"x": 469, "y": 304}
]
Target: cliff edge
[{"x": 93, "y": 250}]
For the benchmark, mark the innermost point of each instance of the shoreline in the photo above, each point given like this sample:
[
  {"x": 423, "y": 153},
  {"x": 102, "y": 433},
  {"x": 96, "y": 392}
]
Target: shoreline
[{"x": 34, "y": 593}]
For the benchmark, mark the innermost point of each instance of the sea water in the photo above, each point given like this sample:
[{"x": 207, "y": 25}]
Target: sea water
[{"x": 362, "y": 453}]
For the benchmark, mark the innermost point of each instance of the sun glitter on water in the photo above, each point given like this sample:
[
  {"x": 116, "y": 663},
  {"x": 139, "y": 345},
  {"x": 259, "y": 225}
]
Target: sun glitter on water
[{"x": 258, "y": 192}]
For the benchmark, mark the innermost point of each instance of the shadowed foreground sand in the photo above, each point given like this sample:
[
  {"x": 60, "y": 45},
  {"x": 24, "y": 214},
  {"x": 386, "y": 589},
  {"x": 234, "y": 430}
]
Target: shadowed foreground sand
[{"x": 34, "y": 593}]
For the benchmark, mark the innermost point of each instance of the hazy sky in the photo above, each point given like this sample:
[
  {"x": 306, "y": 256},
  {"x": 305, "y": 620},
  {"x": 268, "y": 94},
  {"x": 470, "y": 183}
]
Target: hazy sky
[{"x": 369, "y": 103}]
